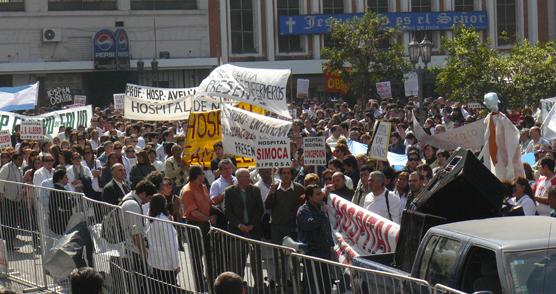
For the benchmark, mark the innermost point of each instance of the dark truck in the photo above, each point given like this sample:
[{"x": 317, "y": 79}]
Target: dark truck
[
  {"x": 498, "y": 255},
  {"x": 454, "y": 234}
]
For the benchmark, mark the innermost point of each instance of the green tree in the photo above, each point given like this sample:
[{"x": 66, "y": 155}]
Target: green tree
[
  {"x": 472, "y": 67},
  {"x": 370, "y": 49}
]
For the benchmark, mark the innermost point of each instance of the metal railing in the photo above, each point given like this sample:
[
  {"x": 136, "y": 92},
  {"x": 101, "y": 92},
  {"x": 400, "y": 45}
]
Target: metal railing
[
  {"x": 441, "y": 289},
  {"x": 141, "y": 254}
]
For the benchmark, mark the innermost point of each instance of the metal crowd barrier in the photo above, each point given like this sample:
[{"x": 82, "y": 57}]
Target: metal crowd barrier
[
  {"x": 181, "y": 258},
  {"x": 265, "y": 267},
  {"x": 441, "y": 289},
  {"x": 318, "y": 275}
]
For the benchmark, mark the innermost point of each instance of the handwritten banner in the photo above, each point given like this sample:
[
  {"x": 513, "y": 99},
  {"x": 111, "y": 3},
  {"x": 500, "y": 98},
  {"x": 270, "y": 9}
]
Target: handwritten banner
[
  {"x": 59, "y": 95},
  {"x": 241, "y": 130},
  {"x": 359, "y": 231},
  {"x": 260, "y": 87},
  {"x": 381, "y": 141}
]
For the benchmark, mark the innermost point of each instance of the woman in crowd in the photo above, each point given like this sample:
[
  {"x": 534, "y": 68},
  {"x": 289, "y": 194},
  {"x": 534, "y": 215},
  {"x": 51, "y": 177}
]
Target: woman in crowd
[
  {"x": 59, "y": 203},
  {"x": 522, "y": 193},
  {"x": 106, "y": 173},
  {"x": 163, "y": 255},
  {"x": 141, "y": 169}
]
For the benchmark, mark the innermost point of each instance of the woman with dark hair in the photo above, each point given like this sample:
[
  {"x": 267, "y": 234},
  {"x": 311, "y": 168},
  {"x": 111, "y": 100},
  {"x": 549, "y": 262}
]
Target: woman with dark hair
[
  {"x": 163, "y": 255},
  {"x": 164, "y": 187},
  {"x": 106, "y": 173},
  {"x": 429, "y": 154},
  {"x": 59, "y": 204},
  {"x": 522, "y": 196},
  {"x": 141, "y": 169},
  {"x": 65, "y": 159},
  {"x": 55, "y": 152}
]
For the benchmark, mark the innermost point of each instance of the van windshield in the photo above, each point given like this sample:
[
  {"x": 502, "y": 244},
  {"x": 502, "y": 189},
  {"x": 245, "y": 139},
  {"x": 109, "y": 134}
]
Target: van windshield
[{"x": 533, "y": 271}]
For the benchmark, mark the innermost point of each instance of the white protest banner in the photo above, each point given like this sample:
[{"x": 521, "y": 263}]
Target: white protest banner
[
  {"x": 119, "y": 101},
  {"x": 384, "y": 89},
  {"x": 261, "y": 87},
  {"x": 293, "y": 112},
  {"x": 548, "y": 128},
  {"x": 79, "y": 100},
  {"x": 160, "y": 95},
  {"x": 381, "y": 141},
  {"x": 5, "y": 139},
  {"x": 31, "y": 130},
  {"x": 411, "y": 84},
  {"x": 302, "y": 88},
  {"x": 241, "y": 129},
  {"x": 314, "y": 151},
  {"x": 358, "y": 231},
  {"x": 52, "y": 121},
  {"x": 178, "y": 109},
  {"x": 59, "y": 95},
  {"x": 470, "y": 136},
  {"x": 272, "y": 153},
  {"x": 546, "y": 106}
]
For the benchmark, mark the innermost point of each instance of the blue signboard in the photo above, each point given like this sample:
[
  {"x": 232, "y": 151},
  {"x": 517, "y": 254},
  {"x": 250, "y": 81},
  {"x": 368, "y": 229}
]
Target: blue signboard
[
  {"x": 407, "y": 21},
  {"x": 104, "y": 44}
]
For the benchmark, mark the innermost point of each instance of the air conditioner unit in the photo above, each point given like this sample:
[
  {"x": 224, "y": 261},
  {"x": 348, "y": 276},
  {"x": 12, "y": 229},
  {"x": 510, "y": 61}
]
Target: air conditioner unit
[{"x": 51, "y": 35}]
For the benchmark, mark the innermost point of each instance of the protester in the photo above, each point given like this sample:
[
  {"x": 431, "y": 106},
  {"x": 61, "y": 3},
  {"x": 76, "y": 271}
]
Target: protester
[
  {"x": 546, "y": 180},
  {"x": 363, "y": 187},
  {"x": 226, "y": 179},
  {"x": 45, "y": 172},
  {"x": 339, "y": 186},
  {"x": 380, "y": 200},
  {"x": 522, "y": 196},
  {"x": 116, "y": 189},
  {"x": 86, "y": 280},
  {"x": 141, "y": 169},
  {"x": 60, "y": 204},
  {"x": 175, "y": 169},
  {"x": 11, "y": 196},
  {"x": 229, "y": 283}
]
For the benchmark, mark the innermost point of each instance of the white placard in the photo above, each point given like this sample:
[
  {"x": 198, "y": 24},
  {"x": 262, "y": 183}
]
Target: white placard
[
  {"x": 5, "y": 139},
  {"x": 266, "y": 88},
  {"x": 241, "y": 129},
  {"x": 31, "y": 130},
  {"x": 314, "y": 151},
  {"x": 119, "y": 101},
  {"x": 273, "y": 153},
  {"x": 302, "y": 88},
  {"x": 384, "y": 89},
  {"x": 79, "y": 100},
  {"x": 381, "y": 141},
  {"x": 411, "y": 84},
  {"x": 474, "y": 105}
]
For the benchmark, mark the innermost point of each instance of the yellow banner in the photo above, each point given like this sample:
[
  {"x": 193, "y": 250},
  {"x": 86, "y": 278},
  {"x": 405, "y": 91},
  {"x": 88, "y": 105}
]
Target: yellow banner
[{"x": 203, "y": 131}]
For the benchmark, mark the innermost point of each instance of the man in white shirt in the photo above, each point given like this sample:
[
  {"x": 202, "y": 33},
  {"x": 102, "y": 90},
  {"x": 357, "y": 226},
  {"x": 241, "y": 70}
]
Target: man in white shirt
[
  {"x": 46, "y": 171},
  {"x": 380, "y": 200},
  {"x": 226, "y": 179}
]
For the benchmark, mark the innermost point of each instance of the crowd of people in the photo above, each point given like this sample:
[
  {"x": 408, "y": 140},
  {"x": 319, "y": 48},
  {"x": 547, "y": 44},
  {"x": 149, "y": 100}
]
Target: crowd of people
[{"x": 139, "y": 166}]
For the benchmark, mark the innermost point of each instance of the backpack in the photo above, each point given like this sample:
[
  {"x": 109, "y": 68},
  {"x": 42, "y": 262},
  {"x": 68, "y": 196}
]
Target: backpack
[{"x": 112, "y": 229}]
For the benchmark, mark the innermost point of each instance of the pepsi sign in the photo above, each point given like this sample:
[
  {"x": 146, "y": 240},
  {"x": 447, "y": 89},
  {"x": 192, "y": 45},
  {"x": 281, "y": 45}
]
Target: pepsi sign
[{"x": 104, "y": 44}]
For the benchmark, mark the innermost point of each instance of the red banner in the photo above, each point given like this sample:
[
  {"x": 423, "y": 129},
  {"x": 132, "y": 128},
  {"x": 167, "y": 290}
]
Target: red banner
[{"x": 333, "y": 82}]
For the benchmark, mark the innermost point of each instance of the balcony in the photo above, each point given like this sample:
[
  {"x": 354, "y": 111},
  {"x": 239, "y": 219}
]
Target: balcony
[{"x": 12, "y": 5}]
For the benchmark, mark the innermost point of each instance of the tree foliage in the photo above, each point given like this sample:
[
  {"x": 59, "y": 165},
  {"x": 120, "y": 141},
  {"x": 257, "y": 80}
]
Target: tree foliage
[
  {"x": 369, "y": 49},
  {"x": 522, "y": 76}
]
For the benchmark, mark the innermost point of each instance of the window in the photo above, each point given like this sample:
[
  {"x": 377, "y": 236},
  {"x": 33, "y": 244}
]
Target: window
[
  {"x": 331, "y": 7},
  {"x": 421, "y": 6},
  {"x": 62, "y": 5},
  {"x": 532, "y": 271},
  {"x": 242, "y": 21},
  {"x": 378, "y": 6},
  {"x": 12, "y": 5},
  {"x": 438, "y": 260},
  {"x": 163, "y": 4},
  {"x": 506, "y": 22},
  {"x": 287, "y": 44},
  {"x": 479, "y": 273},
  {"x": 464, "y": 5}
]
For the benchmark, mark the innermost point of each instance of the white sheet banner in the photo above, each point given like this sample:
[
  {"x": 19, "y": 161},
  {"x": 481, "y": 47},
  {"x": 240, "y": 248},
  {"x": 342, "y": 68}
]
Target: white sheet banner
[
  {"x": 273, "y": 153},
  {"x": 548, "y": 128},
  {"x": 314, "y": 151},
  {"x": 470, "y": 136},
  {"x": 241, "y": 129},
  {"x": 160, "y": 95},
  {"x": 261, "y": 87},
  {"x": 52, "y": 121},
  {"x": 546, "y": 106},
  {"x": 359, "y": 231},
  {"x": 178, "y": 109},
  {"x": 381, "y": 141}
]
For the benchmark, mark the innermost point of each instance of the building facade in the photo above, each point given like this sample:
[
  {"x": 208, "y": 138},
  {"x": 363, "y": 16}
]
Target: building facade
[{"x": 52, "y": 40}]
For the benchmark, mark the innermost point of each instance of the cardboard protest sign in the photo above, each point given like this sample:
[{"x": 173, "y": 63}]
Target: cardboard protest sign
[
  {"x": 59, "y": 96},
  {"x": 5, "y": 139},
  {"x": 469, "y": 136},
  {"x": 31, "y": 130},
  {"x": 79, "y": 100},
  {"x": 241, "y": 130},
  {"x": 302, "y": 88},
  {"x": 381, "y": 141},
  {"x": 384, "y": 89},
  {"x": 73, "y": 117},
  {"x": 411, "y": 84},
  {"x": 272, "y": 153},
  {"x": 314, "y": 151},
  {"x": 119, "y": 101},
  {"x": 358, "y": 231},
  {"x": 261, "y": 87}
]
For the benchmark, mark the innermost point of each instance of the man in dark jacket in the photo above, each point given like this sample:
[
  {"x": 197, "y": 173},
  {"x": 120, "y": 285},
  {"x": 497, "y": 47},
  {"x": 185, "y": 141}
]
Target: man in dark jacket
[
  {"x": 116, "y": 189},
  {"x": 244, "y": 211},
  {"x": 314, "y": 230}
]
